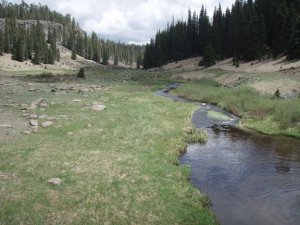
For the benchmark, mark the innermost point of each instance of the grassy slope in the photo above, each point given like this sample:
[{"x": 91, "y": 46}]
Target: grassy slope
[
  {"x": 122, "y": 170},
  {"x": 261, "y": 113}
]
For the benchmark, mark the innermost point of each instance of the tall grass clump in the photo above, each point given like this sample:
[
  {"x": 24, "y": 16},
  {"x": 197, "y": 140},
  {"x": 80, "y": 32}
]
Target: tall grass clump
[
  {"x": 247, "y": 103},
  {"x": 287, "y": 112}
]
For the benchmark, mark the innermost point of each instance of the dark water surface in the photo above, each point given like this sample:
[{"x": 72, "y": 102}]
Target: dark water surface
[{"x": 250, "y": 178}]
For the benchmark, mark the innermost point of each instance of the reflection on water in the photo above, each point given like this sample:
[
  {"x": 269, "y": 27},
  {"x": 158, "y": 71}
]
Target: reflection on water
[{"x": 250, "y": 178}]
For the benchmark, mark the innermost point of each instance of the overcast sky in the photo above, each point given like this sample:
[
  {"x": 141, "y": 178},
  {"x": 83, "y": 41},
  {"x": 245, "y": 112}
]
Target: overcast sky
[{"x": 134, "y": 21}]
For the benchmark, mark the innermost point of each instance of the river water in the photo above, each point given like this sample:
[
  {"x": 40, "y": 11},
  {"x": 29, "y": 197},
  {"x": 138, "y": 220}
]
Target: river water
[{"x": 250, "y": 178}]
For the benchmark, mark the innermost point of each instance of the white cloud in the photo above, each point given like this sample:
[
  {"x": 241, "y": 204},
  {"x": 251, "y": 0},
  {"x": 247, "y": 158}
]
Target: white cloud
[{"x": 134, "y": 21}]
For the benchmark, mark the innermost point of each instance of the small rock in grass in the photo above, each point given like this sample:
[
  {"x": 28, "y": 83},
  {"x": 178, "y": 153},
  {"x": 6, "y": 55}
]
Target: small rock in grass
[
  {"x": 89, "y": 125},
  {"x": 98, "y": 107},
  {"x": 47, "y": 124},
  {"x": 32, "y": 116},
  {"x": 43, "y": 105},
  {"x": 34, "y": 129},
  {"x": 33, "y": 123},
  {"x": 6, "y": 126},
  {"x": 42, "y": 116},
  {"x": 76, "y": 100},
  {"x": 27, "y": 132},
  {"x": 55, "y": 181}
]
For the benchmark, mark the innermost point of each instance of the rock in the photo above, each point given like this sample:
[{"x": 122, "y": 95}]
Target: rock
[
  {"x": 55, "y": 181},
  {"x": 23, "y": 106},
  {"x": 53, "y": 90},
  {"x": 43, "y": 105},
  {"x": 32, "y": 116},
  {"x": 47, "y": 124},
  {"x": 33, "y": 123},
  {"x": 76, "y": 100},
  {"x": 70, "y": 133},
  {"x": 97, "y": 107},
  {"x": 34, "y": 129},
  {"x": 27, "y": 132},
  {"x": 38, "y": 101},
  {"x": 25, "y": 115},
  {"x": 42, "y": 116},
  {"x": 6, "y": 126},
  {"x": 32, "y": 89},
  {"x": 89, "y": 125}
]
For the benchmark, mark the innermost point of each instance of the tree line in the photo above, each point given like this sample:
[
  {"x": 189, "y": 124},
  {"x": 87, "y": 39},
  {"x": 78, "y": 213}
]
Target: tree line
[
  {"x": 250, "y": 30},
  {"x": 37, "y": 42}
]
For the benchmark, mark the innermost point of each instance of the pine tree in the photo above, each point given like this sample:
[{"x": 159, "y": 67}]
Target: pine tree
[
  {"x": 1, "y": 43},
  {"x": 116, "y": 60},
  {"x": 74, "y": 55},
  {"x": 208, "y": 57},
  {"x": 139, "y": 62},
  {"x": 294, "y": 46},
  {"x": 105, "y": 57}
]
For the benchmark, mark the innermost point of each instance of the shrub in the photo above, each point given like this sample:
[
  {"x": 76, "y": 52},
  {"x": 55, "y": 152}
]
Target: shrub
[{"x": 81, "y": 73}]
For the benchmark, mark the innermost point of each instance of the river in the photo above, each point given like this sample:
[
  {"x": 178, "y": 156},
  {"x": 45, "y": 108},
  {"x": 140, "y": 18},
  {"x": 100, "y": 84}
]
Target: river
[{"x": 250, "y": 178}]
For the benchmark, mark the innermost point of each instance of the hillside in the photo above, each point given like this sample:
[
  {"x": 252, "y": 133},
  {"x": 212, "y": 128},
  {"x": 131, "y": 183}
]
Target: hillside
[
  {"x": 65, "y": 63},
  {"x": 265, "y": 76}
]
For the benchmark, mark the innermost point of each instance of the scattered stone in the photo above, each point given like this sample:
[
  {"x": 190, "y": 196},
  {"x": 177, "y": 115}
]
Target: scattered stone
[
  {"x": 27, "y": 132},
  {"x": 38, "y": 101},
  {"x": 6, "y": 126},
  {"x": 42, "y": 117},
  {"x": 89, "y": 125},
  {"x": 34, "y": 129},
  {"x": 32, "y": 116},
  {"x": 98, "y": 107},
  {"x": 47, "y": 124},
  {"x": 25, "y": 115},
  {"x": 55, "y": 181},
  {"x": 70, "y": 133},
  {"x": 33, "y": 123},
  {"x": 23, "y": 106},
  {"x": 53, "y": 90},
  {"x": 52, "y": 103},
  {"x": 76, "y": 100},
  {"x": 44, "y": 105}
]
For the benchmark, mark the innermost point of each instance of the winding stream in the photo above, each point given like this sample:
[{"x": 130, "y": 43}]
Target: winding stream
[{"x": 250, "y": 178}]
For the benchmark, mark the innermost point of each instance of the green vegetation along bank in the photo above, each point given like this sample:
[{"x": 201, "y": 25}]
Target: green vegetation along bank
[{"x": 269, "y": 115}]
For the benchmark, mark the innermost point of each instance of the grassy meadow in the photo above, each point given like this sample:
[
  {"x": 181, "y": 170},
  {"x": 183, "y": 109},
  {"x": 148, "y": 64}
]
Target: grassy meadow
[{"x": 118, "y": 166}]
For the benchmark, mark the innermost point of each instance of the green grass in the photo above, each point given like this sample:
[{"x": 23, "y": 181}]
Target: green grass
[
  {"x": 259, "y": 112},
  {"x": 122, "y": 170}
]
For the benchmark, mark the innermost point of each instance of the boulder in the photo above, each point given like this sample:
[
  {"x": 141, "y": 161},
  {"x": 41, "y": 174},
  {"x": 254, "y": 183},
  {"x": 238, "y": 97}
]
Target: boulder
[
  {"x": 98, "y": 107},
  {"x": 47, "y": 124},
  {"x": 55, "y": 181}
]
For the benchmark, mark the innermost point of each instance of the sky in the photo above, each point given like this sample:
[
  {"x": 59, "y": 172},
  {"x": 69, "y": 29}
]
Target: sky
[{"x": 129, "y": 21}]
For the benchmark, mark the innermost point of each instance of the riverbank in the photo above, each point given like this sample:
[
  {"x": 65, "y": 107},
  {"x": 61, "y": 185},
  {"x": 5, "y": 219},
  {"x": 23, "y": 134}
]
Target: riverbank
[
  {"x": 117, "y": 166},
  {"x": 261, "y": 113}
]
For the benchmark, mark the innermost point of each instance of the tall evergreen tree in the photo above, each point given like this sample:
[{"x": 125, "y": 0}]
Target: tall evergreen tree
[
  {"x": 294, "y": 46},
  {"x": 1, "y": 43}
]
